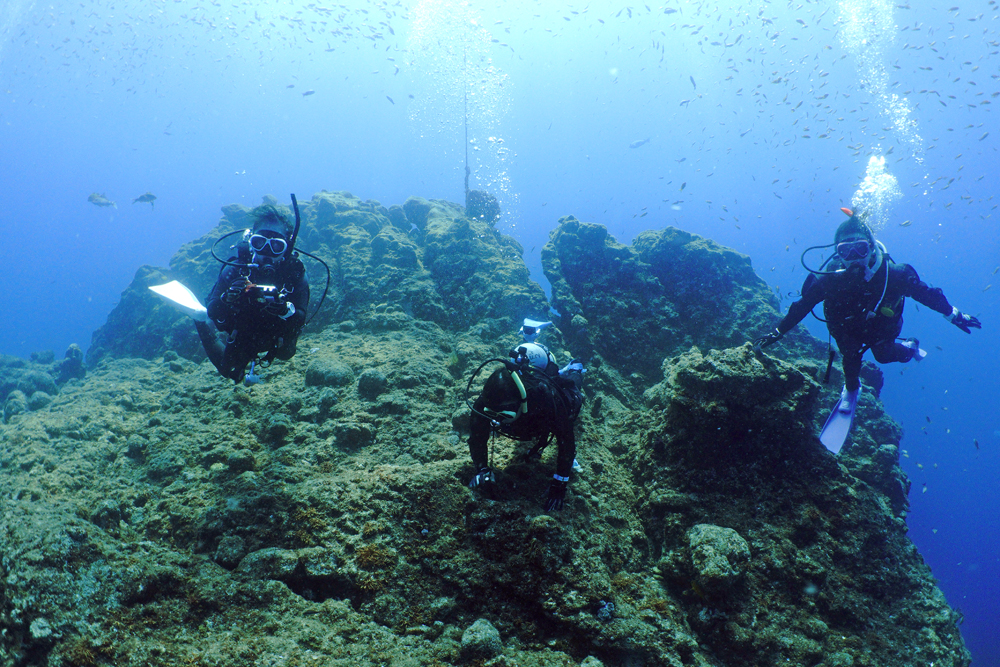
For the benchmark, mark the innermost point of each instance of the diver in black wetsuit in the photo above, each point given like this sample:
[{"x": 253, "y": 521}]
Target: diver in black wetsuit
[
  {"x": 529, "y": 398},
  {"x": 259, "y": 300},
  {"x": 863, "y": 293}
]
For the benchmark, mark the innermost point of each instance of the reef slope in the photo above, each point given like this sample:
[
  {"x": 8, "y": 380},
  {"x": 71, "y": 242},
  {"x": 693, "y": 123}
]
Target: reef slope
[{"x": 155, "y": 515}]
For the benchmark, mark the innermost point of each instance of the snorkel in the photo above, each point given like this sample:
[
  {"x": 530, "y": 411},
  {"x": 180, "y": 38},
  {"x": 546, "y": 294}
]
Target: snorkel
[{"x": 295, "y": 232}]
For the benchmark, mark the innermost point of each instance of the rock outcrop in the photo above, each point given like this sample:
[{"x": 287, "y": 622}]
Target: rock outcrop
[{"x": 153, "y": 515}]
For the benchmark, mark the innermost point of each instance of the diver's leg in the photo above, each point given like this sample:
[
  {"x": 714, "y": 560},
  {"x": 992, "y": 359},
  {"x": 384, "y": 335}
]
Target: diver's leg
[
  {"x": 214, "y": 348},
  {"x": 479, "y": 435},
  {"x": 889, "y": 351},
  {"x": 235, "y": 359},
  {"x": 285, "y": 348},
  {"x": 852, "y": 366}
]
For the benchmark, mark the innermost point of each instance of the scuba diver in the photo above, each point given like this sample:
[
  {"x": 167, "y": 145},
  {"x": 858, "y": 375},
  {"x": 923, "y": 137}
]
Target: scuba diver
[
  {"x": 258, "y": 303},
  {"x": 529, "y": 397},
  {"x": 863, "y": 291},
  {"x": 259, "y": 300}
]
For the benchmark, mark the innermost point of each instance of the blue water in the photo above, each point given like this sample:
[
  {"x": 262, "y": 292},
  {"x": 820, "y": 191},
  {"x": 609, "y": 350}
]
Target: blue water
[{"x": 761, "y": 123}]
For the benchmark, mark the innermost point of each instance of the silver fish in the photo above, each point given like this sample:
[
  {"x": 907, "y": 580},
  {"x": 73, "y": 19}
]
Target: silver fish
[{"x": 100, "y": 200}]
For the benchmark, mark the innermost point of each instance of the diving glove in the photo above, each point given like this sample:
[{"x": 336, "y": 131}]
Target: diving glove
[
  {"x": 964, "y": 322},
  {"x": 574, "y": 365},
  {"x": 235, "y": 291},
  {"x": 768, "y": 340},
  {"x": 483, "y": 480},
  {"x": 282, "y": 309},
  {"x": 557, "y": 494}
]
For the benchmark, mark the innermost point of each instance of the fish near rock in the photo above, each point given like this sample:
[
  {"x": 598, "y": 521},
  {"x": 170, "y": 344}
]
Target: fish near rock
[
  {"x": 149, "y": 198},
  {"x": 100, "y": 200}
]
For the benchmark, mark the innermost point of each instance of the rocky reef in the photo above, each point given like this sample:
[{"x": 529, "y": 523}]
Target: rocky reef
[{"x": 153, "y": 514}]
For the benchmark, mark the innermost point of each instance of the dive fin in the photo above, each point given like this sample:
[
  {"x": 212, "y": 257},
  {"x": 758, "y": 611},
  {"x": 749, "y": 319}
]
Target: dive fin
[
  {"x": 181, "y": 298},
  {"x": 838, "y": 424}
]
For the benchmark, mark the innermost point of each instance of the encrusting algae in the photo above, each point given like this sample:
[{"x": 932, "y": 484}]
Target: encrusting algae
[{"x": 154, "y": 516}]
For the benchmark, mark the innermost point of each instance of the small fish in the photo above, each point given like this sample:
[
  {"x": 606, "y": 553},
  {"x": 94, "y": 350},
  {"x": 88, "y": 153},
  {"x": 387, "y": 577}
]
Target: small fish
[
  {"x": 976, "y": 443},
  {"x": 308, "y": 92},
  {"x": 641, "y": 142},
  {"x": 101, "y": 200},
  {"x": 147, "y": 198},
  {"x": 681, "y": 160},
  {"x": 693, "y": 83},
  {"x": 987, "y": 287},
  {"x": 291, "y": 85},
  {"x": 906, "y": 223},
  {"x": 390, "y": 99},
  {"x": 684, "y": 185},
  {"x": 984, "y": 136}
]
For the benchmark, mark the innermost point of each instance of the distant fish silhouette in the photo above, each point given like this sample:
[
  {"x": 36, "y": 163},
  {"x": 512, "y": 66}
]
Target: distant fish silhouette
[
  {"x": 147, "y": 198},
  {"x": 100, "y": 200},
  {"x": 636, "y": 144},
  {"x": 309, "y": 92}
]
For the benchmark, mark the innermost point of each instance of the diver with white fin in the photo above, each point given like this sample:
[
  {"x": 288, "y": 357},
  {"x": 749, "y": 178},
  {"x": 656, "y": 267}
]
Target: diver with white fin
[
  {"x": 863, "y": 292},
  {"x": 183, "y": 299},
  {"x": 257, "y": 307}
]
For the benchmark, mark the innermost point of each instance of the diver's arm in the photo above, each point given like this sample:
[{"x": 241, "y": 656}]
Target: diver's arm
[
  {"x": 813, "y": 292},
  {"x": 219, "y": 310},
  {"x": 932, "y": 297}
]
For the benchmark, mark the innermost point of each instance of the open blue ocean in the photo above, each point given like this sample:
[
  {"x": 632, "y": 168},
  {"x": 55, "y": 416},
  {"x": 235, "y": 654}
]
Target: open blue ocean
[{"x": 749, "y": 123}]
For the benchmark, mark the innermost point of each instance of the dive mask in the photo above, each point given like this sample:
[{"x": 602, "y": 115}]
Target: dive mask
[
  {"x": 852, "y": 251},
  {"x": 275, "y": 246}
]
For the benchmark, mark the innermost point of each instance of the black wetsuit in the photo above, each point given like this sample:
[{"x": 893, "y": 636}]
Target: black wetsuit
[
  {"x": 859, "y": 317},
  {"x": 553, "y": 404},
  {"x": 252, "y": 329}
]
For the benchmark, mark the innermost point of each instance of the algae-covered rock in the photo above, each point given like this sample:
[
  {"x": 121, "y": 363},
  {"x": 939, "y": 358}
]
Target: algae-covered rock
[
  {"x": 153, "y": 514},
  {"x": 72, "y": 365},
  {"x": 719, "y": 557},
  {"x": 635, "y": 305},
  {"x": 481, "y": 641},
  {"x": 481, "y": 205},
  {"x": 34, "y": 381},
  {"x": 329, "y": 374},
  {"x": 372, "y": 384},
  {"x": 16, "y": 404}
]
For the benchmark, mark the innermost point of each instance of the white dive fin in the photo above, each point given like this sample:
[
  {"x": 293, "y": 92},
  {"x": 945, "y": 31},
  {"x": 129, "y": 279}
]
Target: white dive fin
[
  {"x": 182, "y": 299},
  {"x": 838, "y": 424}
]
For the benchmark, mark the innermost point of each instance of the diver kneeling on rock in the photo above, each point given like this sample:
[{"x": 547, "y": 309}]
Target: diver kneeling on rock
[
  {"x": 863, "y": 292},
  {"x": 529, "y": 397}
]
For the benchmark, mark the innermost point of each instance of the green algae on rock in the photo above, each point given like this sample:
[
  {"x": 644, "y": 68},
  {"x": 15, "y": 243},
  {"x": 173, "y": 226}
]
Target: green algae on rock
[{"x": 154, "y": 516}]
